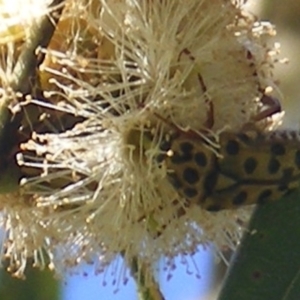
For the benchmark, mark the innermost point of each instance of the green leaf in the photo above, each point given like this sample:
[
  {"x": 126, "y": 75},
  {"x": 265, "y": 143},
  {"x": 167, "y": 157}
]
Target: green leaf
[
  {"x": 267, "y": 265},
  {"x": 37, "y": 285}
]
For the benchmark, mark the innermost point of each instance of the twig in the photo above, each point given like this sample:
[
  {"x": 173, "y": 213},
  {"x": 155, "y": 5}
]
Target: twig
[
  {"x": 148, "y": 288},
  {"x": 22, "y": 80},
  {"x": 28, "y": 61}
]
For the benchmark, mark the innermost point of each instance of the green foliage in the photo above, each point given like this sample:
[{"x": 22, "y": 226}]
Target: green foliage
[
  {"x": 38, "y": 285},
  {"x": 267, "y": 265}
]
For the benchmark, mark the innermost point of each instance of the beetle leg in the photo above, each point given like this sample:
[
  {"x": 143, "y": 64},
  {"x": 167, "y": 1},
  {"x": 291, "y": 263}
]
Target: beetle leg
[{"x": 273, "y": 107}]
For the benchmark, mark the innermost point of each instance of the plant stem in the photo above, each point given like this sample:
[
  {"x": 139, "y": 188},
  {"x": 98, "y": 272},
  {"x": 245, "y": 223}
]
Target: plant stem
[
  {"x": 147, "y": 286},
  {"x": 23, "y": 82}
]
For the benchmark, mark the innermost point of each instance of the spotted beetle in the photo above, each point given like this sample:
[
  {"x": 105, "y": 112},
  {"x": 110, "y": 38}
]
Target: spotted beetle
[
  {"x": 248, "y": 167},
  {"x": 238, "y": 168}
]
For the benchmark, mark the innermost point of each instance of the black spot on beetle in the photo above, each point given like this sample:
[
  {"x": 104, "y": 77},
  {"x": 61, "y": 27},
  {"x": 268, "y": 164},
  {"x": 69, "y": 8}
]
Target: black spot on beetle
[
  {"x": 250, "y": 165},
  {"x": 200, "y": 159},
  {"x": 186, "y": 147},
  {"x": 190, "y": 175},
  {"x": 232, "y": 147},
  {"x": 273, "y": 166},
  {"x": 213, "y": 207}
]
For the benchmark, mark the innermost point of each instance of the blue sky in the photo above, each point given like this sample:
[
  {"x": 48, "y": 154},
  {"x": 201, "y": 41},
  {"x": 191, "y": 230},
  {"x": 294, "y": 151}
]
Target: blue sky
[{"x": 181, "y": 285}]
